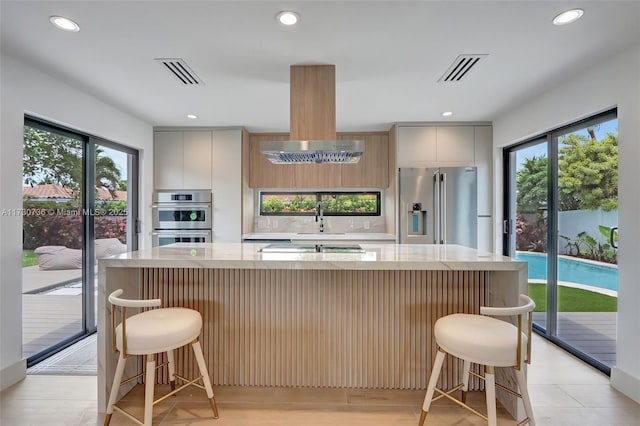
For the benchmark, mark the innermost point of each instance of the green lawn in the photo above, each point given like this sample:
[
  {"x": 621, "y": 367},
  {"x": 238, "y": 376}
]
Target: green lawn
[
  {"x": 29, "y": 258},
  {"x": 573, "y": 300}
]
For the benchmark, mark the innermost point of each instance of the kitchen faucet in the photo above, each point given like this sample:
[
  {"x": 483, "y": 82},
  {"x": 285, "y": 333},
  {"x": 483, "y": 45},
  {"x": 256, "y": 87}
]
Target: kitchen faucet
[{"x": 320, "y": 213}]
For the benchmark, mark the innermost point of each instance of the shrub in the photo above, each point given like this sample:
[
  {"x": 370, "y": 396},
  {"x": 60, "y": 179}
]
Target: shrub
[{"x": 60, "y": 224}]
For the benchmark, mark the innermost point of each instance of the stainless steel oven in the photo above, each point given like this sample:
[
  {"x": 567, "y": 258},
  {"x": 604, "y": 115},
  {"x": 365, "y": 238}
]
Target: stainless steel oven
[
  {"x": 181, "y": 216},
  {"x": 167, "y": 236},
  {"x": 181, "y": 210}
]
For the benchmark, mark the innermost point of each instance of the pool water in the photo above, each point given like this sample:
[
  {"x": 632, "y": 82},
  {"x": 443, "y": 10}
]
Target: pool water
[{"x": 572, "y": 270}]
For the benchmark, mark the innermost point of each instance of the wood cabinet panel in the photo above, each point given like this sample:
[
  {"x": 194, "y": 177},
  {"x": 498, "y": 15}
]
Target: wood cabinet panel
[
  {"x": 372, "y": 171},
  {"x": 317, "y": 175},
  {"x": 262, "y": 172}
]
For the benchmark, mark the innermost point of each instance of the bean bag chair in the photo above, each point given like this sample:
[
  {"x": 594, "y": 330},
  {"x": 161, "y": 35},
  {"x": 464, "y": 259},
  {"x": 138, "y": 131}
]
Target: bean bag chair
[
  {"x": 58, "y": 257},
  {"x": 106, "y": 247}
]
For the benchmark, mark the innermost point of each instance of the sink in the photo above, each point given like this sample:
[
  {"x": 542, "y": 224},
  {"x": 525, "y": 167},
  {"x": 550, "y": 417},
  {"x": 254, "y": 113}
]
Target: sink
[
  {"x": 311, "y": 248},
  {"x": 320, "y": 233},
  {"x": 289, "y": 248}
]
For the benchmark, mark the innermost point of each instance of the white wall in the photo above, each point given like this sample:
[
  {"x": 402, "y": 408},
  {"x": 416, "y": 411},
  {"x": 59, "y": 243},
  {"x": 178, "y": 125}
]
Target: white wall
[
  {"x": 615, "y": 82},
  {"x": 27, "y": 90}
]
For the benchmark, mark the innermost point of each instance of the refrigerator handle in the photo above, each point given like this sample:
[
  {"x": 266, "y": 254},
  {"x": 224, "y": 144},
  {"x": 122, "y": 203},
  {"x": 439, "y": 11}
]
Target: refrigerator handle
[
  {"x": 436, "y": 208},
  {"x": 443, "y": 208}
]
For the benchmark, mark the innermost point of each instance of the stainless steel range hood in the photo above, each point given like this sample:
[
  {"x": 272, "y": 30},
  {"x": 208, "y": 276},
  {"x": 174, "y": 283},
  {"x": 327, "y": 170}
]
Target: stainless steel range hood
[
  {"x": 301, "y": 152},
  {"x": 312, "y": 122}
]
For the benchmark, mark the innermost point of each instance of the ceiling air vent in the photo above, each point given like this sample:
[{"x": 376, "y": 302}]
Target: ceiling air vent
[
  {"x": 179, "y": 68},
  {"x": 461, "y": 67}
]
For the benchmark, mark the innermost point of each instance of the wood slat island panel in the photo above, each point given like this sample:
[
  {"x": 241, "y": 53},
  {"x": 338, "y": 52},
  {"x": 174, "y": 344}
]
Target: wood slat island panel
[{"x": 356, "y": 329}]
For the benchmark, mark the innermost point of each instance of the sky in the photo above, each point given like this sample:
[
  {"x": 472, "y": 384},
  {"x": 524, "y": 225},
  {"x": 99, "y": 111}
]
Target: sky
[{"x": 540, "y": 150}]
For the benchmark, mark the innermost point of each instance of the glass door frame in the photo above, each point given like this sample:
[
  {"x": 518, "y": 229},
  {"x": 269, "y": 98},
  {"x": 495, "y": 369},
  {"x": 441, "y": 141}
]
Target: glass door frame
[
  {"x": 551, "y": 137},
  {"x": 89, "y": 308}
]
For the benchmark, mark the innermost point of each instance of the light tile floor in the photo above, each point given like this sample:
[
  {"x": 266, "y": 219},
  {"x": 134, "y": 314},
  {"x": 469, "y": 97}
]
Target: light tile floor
[{"x": 564, "y": 392}]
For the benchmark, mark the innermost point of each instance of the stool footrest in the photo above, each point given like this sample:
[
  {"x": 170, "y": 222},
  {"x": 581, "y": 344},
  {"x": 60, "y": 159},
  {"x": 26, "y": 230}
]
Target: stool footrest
[
  {"x": 498, "y": 385},
  {"x": 126, "y": 413},
  {"x": 175, "y": 391},
  {"x": 137, "y": 376},
  {"x": 449, "y": 392},
  {"x": 191, "y": 382},
  {"x": 460, "y": 403}
]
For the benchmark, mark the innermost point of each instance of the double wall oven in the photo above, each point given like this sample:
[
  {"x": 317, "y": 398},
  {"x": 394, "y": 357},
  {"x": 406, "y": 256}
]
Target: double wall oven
[{"x": 181, "y": 217}]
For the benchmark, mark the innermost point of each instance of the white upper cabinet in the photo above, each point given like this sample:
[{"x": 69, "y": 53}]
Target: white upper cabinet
[
  {"x": 416, "y": 146},
  {"x": 182, "y": 159},
  {"x": 168, "y": 160},
  {"x": 455, "y": 144},
  {"x": 431, "y": 146},
  {"x": 197, "y": 159}
]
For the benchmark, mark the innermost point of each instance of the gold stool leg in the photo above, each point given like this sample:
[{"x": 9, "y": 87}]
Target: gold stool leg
[
  {"x": 423, "y": 417},
  {"x": 214, "y": 407}
]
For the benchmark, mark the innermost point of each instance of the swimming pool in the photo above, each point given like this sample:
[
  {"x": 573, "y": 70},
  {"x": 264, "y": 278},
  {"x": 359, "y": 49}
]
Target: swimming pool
[{"x": 572, "y": 270}]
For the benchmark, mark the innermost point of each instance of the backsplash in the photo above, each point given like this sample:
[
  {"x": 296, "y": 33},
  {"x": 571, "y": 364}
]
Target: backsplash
[{"x": 362, "y": 224}]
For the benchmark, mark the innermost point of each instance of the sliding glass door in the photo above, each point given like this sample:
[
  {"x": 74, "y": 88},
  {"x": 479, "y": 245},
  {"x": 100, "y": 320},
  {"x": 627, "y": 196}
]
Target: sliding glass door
[
  {"x": 79, "y": 204},
  {"x": 561, "y": 206}
]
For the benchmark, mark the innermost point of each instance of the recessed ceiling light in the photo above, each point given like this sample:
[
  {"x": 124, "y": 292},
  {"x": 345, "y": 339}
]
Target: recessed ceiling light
[
  {"x": 287, "y": 17},
  {"x": 568, "y": 17},
  {"x": 65, "y": 24},
  {"x": 447, "y": 114},
  {"x": 192, "y": 116}
]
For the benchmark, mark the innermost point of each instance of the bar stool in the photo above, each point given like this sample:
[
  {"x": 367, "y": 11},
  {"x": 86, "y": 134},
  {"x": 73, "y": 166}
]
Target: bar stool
[
  {"x": 487, "y": 341},
  {"x": 148, "y": 333}
]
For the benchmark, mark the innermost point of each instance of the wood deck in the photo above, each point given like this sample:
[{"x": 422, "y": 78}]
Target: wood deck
[
  {"x": 48, "y": 319},
  {"x": 591, "y": 332}
]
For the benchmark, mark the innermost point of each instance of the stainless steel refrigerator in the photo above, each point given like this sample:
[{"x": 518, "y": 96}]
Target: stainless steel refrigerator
[{"x": 438, "y": 206}]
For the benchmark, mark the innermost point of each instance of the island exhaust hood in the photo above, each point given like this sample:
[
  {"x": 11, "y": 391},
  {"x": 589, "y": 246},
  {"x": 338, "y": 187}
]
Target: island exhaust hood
[{"x": 312, "y": 122}]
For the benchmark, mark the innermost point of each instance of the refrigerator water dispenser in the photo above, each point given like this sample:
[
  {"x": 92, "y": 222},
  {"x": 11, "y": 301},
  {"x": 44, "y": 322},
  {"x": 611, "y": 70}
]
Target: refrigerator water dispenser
[{"x": 417, "y": 220}]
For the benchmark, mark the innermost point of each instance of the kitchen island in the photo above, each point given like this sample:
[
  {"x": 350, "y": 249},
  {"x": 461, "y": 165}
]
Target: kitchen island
[{"x": 326, "y": 319}]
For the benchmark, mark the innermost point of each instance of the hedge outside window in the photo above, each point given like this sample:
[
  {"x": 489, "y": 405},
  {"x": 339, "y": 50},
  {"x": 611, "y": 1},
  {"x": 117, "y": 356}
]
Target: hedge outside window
[{"x": 333, "y": 203}]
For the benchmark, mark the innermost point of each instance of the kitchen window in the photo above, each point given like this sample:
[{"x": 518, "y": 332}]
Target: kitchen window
[{"x": 287, "y": 203}]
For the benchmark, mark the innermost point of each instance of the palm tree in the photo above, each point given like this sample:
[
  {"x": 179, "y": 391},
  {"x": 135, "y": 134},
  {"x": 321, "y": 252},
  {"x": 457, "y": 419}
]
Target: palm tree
[{"x": 107, "y": 173}]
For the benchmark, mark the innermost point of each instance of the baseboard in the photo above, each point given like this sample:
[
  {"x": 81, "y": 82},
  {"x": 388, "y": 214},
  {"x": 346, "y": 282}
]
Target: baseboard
[
  {"x": 13, "y": 374},
  {"x": 626, "y": 383}
]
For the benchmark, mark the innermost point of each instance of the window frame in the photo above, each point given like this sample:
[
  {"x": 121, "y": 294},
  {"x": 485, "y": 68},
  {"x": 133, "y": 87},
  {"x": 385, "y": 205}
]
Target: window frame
[{"x": 318, "y": 197}]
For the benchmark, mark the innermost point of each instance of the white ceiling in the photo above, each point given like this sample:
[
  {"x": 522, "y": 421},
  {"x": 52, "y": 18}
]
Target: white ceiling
[{"x": 388, "y": 55}]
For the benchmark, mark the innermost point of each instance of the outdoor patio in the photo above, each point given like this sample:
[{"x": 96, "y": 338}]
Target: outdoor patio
[{"x": 51, "y": 307}]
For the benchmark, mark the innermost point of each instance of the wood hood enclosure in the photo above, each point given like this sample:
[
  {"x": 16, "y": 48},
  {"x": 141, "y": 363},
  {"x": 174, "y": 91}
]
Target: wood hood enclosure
[
  {"x": 313, "y": 102},
  {"x": 313, "y": 117}
]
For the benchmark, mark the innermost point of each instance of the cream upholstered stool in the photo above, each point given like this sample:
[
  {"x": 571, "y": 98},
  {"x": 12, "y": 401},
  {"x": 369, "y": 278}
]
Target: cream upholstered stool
[
  {"x": 148, "y": 333},
  {"x": 487, "y": 341}
]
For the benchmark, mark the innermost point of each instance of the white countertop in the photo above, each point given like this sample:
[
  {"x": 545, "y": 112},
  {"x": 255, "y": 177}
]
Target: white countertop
[
  {"x": 316, "y": 236},
  {"x": 375, "y": 257}
]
